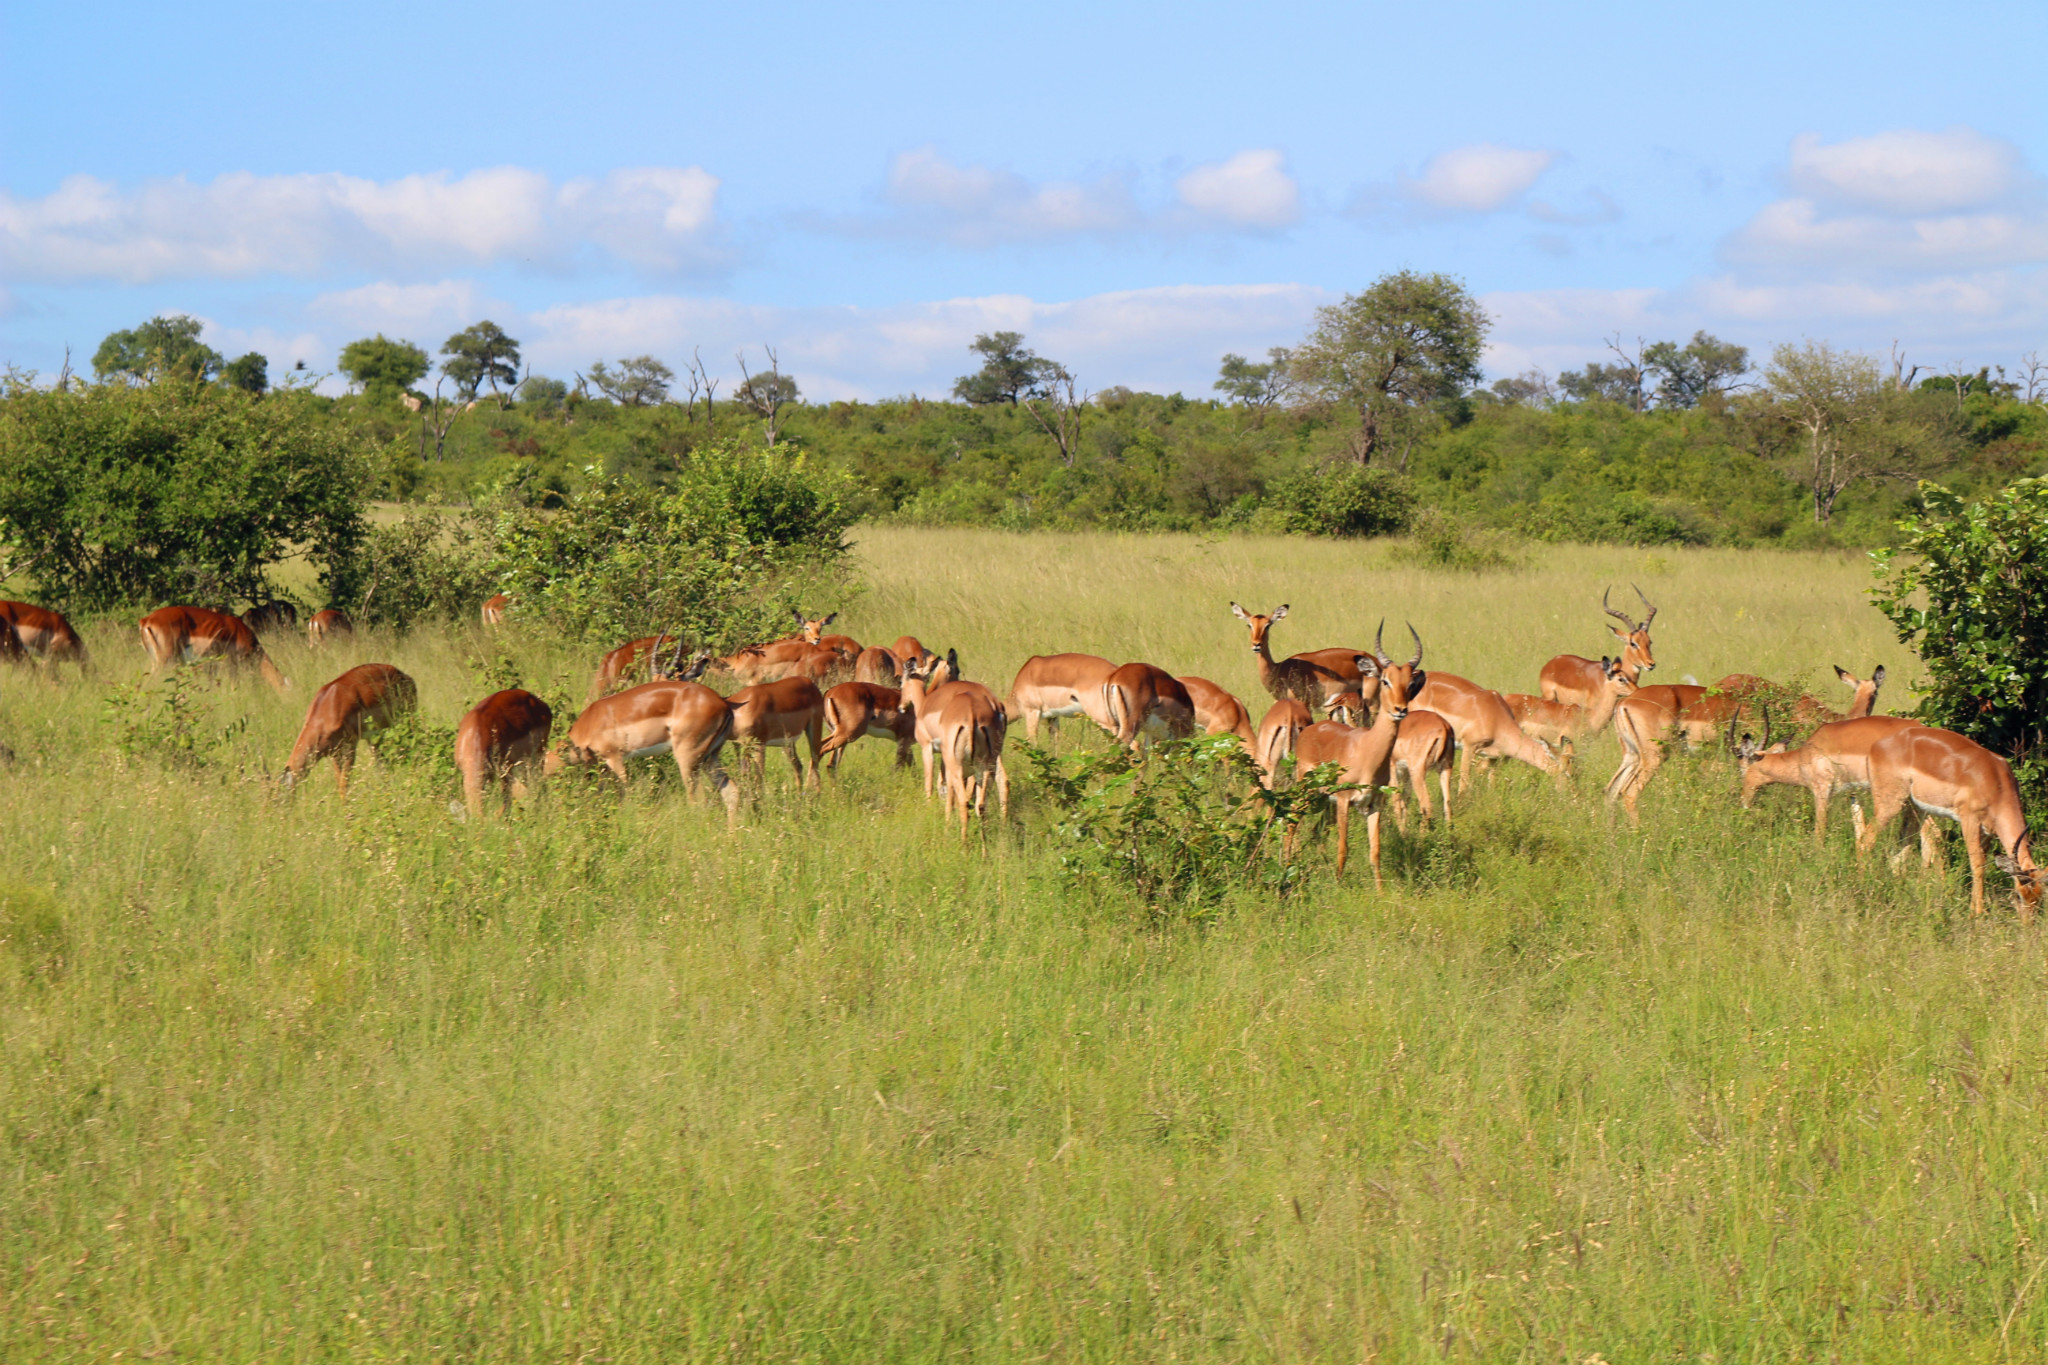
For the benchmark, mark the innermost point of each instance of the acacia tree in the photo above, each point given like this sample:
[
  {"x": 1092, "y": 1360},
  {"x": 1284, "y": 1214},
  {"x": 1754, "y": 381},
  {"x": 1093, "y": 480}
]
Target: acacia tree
[
  {"x": 1691, "y": 373},
  {"x": 637, "y": 382},
  {"x": 1254, "y": 384},
  {"x": 481, "y": 355},
  {"x": 1852, "y": 424},
  {"x": 164, "y": 347},
  {"x": 1009, "y": 371},
  {"x": 1393, "y": 353},
  {"x": 1054, "y": 405},
  {"x": 383, "y": 368}
]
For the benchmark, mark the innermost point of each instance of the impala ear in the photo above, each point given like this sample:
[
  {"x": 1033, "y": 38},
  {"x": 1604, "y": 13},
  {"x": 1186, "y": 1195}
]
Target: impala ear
[
  {"x": 829, "y": 619},
  {"x": 1281, "y": 612},
  {"x": 952, "y": 665},
  {"x": 1877, "y": 677},
  {"x": 1848, "y": 678},
  {"x": 1239, "y": 612},
  {"x": 798, "y": 614},
  {"x": 1416, "y": 682},
  {"x": 2006, "y": 864}
]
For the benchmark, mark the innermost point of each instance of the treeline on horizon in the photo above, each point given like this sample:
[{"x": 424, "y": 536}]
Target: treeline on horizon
[{"x": 1378, "y": 415}]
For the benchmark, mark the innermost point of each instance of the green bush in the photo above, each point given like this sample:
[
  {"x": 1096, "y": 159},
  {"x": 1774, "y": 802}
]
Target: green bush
[
  {"x": 1982, "y": 570},
  {"x": 1348, "y": 500},
  {"x": 427, "y": 567},
  {"x": 1442, "y": 541}
]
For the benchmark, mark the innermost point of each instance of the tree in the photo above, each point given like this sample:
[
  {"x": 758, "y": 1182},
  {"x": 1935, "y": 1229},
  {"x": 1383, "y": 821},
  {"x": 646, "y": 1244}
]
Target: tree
[
  {"x": 1406, "y": 344},
  {"x": 383, "y": 368},
  {"x": 1689, "y": 374},
  {"x": 767, "y": 393},
  {"x": 1599, "y": 383},
  {"x": 636, "y": 383},
  {"x": 481, "y": 355},
  {"x": 162, "y": 348},
  {"x": 1530, "y": 388},
  {"x": 121, "y": 496},
  {"x": 543, "y": 394},
  {"x": 1008, "y": 371},
  {"x": 249, "y": 373},
  {"x": 1254, "y": 384},
  {"x": 1853, "y": 424},
  {"x": 1966, "y": 589},
  {"x": 1053, "y": 405}
]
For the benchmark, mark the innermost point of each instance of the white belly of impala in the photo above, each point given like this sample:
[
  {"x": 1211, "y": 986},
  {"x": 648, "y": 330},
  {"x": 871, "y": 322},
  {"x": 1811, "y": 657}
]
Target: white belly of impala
[{"x": 659, "y": 747}]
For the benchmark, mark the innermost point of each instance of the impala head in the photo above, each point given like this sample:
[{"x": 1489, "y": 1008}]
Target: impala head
[
  {"x": 2028, "y": 881},
  {"x": 1259, "y": 624},
  {"x": 1349, "y": 708},
  {"x": 813, "y": 630},
  {"x": 1748, "y": 749},
  {"x": 691, "y": 669},
  {"x": 1864, "y": 701},
  {"x": 1398, "y": 683},
  {"x": 565, "y": 753},
  {"x": 1616, "y": 675},
  {"x": 1635, "y": 652}
]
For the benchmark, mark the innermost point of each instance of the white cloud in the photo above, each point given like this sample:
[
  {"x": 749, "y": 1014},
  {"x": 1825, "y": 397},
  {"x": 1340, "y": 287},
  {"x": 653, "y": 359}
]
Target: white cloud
[
  {"x": 978, "y": 205},
  {"x": 1906, "y": 171},
  {"x": 1251, "y": 189},
  {"x": 1480, "y": 178},
  {"x": 240, "y": 225}
]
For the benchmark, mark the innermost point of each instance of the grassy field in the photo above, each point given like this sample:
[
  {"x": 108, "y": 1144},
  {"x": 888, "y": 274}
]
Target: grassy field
[{"x": 283, "y": 1079}]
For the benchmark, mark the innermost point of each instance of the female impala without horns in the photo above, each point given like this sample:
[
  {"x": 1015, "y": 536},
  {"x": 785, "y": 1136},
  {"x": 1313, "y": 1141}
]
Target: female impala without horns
[
  {"x": 1311, "y": 679},
  {"x": 966, "y": 726},
  {"x": 501, "y": 735},
  {"x": 1941, "y": 773},
  {"x": 175, "y": 635},
  {"x": 679, "y": 715},
  {"x": 44, "y": 634},
  {"x": 367, "y": 694},
  {"x": 1051, "y": 687}
]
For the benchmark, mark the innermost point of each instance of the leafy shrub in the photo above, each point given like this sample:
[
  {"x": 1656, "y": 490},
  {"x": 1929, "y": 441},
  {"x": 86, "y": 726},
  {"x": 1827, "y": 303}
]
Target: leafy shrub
[
  {"x": 1348, "y": 500},
  {"x": 1983, "y": 569},
  {"x": 427, "y": 567},
  {"x": 166, "y": 722},
  {"x": 1442, "y": 541},
  {"x": 1181, "y": 830}
]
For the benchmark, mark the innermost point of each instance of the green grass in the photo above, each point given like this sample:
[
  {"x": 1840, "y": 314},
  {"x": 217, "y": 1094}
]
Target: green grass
[{"x": 287, "y": 1080}]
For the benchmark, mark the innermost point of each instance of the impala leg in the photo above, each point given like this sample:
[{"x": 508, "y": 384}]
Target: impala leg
[
  {"x": 1443, "y": 783},
  {"x": 1372, "y": 841},
  {"x": 1930, "y": 839},
  {"x": 1973, "y": 843},
  {"x": 1002, "y": 787},
  {"x": 1822, "y": 791},
  {"x": 1343, "y": 831},
  {"x": 812, "y": 733},
  {"x": 344, "y": 761},
  {"x": 1885, "y": 805},
  {"x": 1465, "y": 769}
]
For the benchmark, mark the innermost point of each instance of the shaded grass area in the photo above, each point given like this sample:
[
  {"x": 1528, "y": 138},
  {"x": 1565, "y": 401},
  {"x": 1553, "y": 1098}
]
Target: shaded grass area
[{"x": 288, "y": 1080}]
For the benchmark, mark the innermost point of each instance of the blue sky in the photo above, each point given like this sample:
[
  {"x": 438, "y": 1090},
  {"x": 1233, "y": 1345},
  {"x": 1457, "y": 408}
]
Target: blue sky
[{"x": 1138, "y": 188}]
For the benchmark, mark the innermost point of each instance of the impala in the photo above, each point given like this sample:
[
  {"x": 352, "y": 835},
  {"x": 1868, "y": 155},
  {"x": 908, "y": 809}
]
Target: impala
[
  {"x": 44, "y": 634},
  {"x": 660, "y": 655},
  {"x": 1719, "y": 710},
  {"x": 1483, "y": 727},
  {"x": 855, "y": 710},
  {"x": 812, "y": 632},
  {"x": 679, "y": 715},
  {"x": 1146, "y": 702},
  {"x": 1563, "y": 723},
  {"x": 1217, "y": 711},
  {"x": 1311, "y": 678},
  {"x": 1423, "y": 745},
  {"x": 783, "y": 659},
  {"x": 175, "y": 635},
  {"x": 1835, "y": 758},
  {"x": 1643, "y": 720},
  {"x": 776, "y": 715},
  {"x": 268, "y": 617},
  {"x": 1570, "y": 678},
  {"x": 11, "y": 648},
  {"x": 878, "y": 666},
  {"x": 367, "y": 694},
  {"x": 966, "y": 726},
  {"x": 910, "y": 647},
  {"x": 1050, "y": 687},
  {"x": 501, "y": 735},
  {"x": 328, "y": 625},
  {"x": 1941, "y": 773},
  {"x": 495, "y": 609},
  {"x": 1274, "y": 743},
  {"x": 1365, "y": 755}
]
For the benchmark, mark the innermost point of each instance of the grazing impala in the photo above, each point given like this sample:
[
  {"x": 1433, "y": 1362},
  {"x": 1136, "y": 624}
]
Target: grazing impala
[
  {"x": 679, "y": 715},
  {"x": 1274, "y": 742},
  {"x": 44, "y": 634},
  {"x": 966, "y": 726},
  {"x": 1718, "y": 711},
  {"x": 1835, "y": 758},
  {"x": 1218, "y": 712},
  {"x": 175, "y": 635},
  {"x": 776, "y": 715},
  {"x": 1572, "y": 679},
  {"x": 502, "y": 735},
  {"x": 1941, "y": 773},
  {"x": 331, "y": 624},
  {"x": 1423, "y": 745},
  {"x": 1563, "y": 723},
  {"x": 661, "y": 656},
  {"x": 1147, "y": 702},
  {"x": 367, "y": 694},
  {"x": 1050, "y": 687},
  {"x": 1366, "y": 756},
  {"x": 269, "y": 618},
  {"x": 878, "y": 666},
  {"x": 495, "y": 609},
  {"x": 855, "y": 710},
  {"x": 1484, "y": 727},
  {"x": 1311, "y": 678}
]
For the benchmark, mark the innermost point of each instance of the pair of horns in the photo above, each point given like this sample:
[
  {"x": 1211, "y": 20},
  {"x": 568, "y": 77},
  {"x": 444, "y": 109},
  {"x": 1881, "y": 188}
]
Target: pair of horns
[
  {"x": 1644, "y": 624},
  {"x": 1379, "y": 649}
]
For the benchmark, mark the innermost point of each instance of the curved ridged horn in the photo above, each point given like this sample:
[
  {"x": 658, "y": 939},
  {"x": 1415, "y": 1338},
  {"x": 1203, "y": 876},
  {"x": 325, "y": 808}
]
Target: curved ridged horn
[
  {"x": 1379, "y": 651},
  {"x": 1619, "y": 616},
  {"x": 1648, "y": 603},
  {"x": 1415, "y": 662}
]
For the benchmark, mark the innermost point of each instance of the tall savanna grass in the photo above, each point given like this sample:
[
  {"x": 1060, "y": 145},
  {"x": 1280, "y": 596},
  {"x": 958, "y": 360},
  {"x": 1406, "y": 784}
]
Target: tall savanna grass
[{"x": 297, "y": 1079}]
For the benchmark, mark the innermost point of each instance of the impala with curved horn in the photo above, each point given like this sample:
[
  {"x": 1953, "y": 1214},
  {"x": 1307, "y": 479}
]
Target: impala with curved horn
[
  {"x": 175, "y": 635},
  {"x": 1570, "y": 678},
  {"x": 1942, "y": 773},
  {"x": 501, "y": 736},
  {"x": 1423, "y": 745},
  {"x": 1365, "y": 756},
  {"x": 365, "y": 695}
]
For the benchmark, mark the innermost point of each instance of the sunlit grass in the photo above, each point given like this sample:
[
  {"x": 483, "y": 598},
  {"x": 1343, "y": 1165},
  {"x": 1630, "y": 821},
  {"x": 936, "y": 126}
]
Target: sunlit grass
[{"x": 305, "y": 1081}]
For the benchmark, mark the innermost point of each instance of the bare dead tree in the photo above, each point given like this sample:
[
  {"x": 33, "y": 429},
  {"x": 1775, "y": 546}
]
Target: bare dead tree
[
  {"x": 1631, "y": 368},
  {"x": 1902, "y": 378},
  {"x": 1055, "y": 407},
  {"x": 64, "y": 375},
  {"x": 439, "y": 415},
  {"x": 767, "y": 394},
  {"x": 2034, "y": 390},
  {"x": 701, "y": 377}
]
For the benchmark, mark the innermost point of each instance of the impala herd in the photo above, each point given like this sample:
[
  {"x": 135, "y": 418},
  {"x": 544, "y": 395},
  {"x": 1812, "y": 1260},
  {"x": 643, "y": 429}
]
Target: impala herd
[{"x": 1390, "y": 726}]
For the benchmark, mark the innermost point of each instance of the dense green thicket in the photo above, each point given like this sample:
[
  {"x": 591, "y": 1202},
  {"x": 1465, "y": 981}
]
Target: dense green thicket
[{"x": 1585, "y": 471}]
